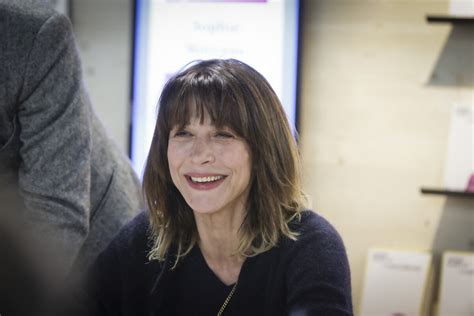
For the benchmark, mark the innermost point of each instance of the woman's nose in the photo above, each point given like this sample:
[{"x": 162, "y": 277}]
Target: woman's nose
[{"x": 202, "y": 151}]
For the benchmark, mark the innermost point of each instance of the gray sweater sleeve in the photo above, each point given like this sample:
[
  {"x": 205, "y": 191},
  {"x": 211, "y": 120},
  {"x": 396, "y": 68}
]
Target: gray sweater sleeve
[{"x": 54, "y": 175}]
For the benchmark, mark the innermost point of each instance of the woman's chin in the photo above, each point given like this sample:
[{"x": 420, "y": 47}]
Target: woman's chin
[{"x": 204, "y": 211}]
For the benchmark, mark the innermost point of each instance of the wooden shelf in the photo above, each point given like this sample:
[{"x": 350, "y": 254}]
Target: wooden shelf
[
  {"x": 454, "y": 19},
  {"x": 441, "y": 191}
]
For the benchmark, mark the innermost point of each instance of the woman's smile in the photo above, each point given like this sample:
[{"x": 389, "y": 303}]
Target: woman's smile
[{"x": 204, "y": 181}]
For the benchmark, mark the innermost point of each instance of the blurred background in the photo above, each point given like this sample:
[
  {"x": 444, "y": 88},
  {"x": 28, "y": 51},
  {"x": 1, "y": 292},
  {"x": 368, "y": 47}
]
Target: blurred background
[{"x": 381, "y": 93}]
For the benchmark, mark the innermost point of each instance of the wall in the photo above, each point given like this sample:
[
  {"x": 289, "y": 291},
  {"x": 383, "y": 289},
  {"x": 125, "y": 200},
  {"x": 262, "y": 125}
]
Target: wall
[
  {"x": 375, "y": 121},
  {"x": 103, "y": 31}
]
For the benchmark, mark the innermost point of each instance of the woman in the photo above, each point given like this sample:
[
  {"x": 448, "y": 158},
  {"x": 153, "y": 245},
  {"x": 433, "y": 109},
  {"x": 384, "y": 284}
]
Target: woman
[{"x": 226, "y": 232}]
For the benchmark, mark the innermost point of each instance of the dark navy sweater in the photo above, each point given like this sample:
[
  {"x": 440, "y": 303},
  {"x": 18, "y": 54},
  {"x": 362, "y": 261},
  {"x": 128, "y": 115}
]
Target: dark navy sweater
[{"x": 309, "y": 276}]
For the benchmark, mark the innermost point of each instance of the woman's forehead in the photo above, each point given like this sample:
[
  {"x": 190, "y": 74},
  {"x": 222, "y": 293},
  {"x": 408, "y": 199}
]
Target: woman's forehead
[
  {"x": 197, "y": 122},
  {"x": 195, "y": 119},
  {"x": 195, "y": 115},
  {"x": 190, "y": 109}
]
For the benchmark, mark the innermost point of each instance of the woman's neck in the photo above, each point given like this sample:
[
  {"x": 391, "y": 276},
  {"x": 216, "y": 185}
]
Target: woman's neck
[{"x": 218, "y": 241}]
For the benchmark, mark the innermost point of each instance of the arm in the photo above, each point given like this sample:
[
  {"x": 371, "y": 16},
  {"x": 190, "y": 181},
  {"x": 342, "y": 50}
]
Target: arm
[
  {"x": 318, "y": 276},
  {"x": 54, "y": 175}
]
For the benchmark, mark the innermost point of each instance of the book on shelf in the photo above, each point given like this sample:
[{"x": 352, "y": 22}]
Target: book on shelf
[
  {"x": 461, "y": 7},
  {"x": 456, "y": 289},
  {"x": 459, "y": 168},
  {"x": 397, "y": 282}
]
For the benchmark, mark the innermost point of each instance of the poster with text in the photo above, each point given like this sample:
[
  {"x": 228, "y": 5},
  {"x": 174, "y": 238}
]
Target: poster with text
[{"x": 172, "y": 33}]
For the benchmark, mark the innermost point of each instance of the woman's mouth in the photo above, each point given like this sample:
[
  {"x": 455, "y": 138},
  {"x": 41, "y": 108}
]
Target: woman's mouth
[
  {"x": 205, "y": 182},
  {"x": 206, "y": 179}
]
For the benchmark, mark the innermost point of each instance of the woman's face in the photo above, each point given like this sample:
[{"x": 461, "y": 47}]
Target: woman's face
[{"x": 210, "y": 167}]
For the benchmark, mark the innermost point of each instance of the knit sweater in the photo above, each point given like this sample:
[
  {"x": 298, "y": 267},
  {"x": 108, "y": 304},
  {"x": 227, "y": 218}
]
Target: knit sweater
[
  {"x": 60, "y": 171},
  {"x": 309, "y": 276}
]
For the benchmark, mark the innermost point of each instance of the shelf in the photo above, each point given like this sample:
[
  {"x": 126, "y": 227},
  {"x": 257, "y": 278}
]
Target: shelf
[
  {"x": 455, "y": 19},
  {"x": 441, "y": 191}
]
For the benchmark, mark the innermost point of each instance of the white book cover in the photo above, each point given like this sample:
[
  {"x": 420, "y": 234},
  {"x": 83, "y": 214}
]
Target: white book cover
[
  {"x": 396, "y": 283},
  {"x": 460, "y": 157},
  {"x": 461, "y": 7},
  {"x": 456, "y": 292}
]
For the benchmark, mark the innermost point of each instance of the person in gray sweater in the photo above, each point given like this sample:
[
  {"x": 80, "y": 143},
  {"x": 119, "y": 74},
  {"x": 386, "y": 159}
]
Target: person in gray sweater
[{"x": 65, "y": 187}]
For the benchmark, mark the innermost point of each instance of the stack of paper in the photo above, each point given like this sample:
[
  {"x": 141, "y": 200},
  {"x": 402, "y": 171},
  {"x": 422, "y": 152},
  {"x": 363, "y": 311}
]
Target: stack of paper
[
  {"x": 456, "y": 292},
  {"x": 397, "y": 283},
  {"x": 461, "y": 7}
]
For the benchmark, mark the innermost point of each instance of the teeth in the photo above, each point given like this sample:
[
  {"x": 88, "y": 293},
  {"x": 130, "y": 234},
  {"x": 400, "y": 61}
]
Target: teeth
[{"x": 206, "y": 179}]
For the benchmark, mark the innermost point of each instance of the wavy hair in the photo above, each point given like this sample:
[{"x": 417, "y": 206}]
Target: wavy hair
[{"x": 234, "y": 95}]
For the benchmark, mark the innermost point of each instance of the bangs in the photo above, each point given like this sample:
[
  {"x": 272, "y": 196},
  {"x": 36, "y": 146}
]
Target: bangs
[{"x": 200, "y": 94}]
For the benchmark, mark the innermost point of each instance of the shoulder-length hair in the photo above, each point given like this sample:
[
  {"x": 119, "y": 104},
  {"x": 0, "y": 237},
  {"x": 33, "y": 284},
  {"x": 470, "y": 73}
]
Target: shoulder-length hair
[{"x": 236, "y": 96}]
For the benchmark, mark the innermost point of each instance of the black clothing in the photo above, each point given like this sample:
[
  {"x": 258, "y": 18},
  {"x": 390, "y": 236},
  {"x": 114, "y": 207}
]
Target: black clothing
[
  {"x": 309, "y": 276},
  {"x": 196, "y": 290}
]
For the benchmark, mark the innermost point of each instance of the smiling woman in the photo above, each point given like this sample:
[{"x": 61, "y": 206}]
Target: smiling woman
[
  {"x": 226, "y": 230},
  {"x": 213, "y": 100}
]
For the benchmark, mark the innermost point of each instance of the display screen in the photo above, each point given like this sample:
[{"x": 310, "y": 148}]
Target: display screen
[{"x": 168, "y": 34}]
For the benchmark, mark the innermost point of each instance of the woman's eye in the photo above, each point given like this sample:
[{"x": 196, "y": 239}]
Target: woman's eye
[
  {"x": 224, "y": 135},
  {"x": 182, "y": 134}
]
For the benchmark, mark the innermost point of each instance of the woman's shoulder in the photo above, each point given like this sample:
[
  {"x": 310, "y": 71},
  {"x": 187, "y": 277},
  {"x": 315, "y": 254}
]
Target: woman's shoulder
[
  {"x": 131, "y": 245},
  {"x": 122, "y": 274},
  {"x": 311, "y": 221},
  {"x": 313, "y": 228},
  {"x": 317, "y": 268}
]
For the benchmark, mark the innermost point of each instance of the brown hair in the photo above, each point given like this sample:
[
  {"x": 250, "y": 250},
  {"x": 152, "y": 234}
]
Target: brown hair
[{"x": 234, "y": 95}]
